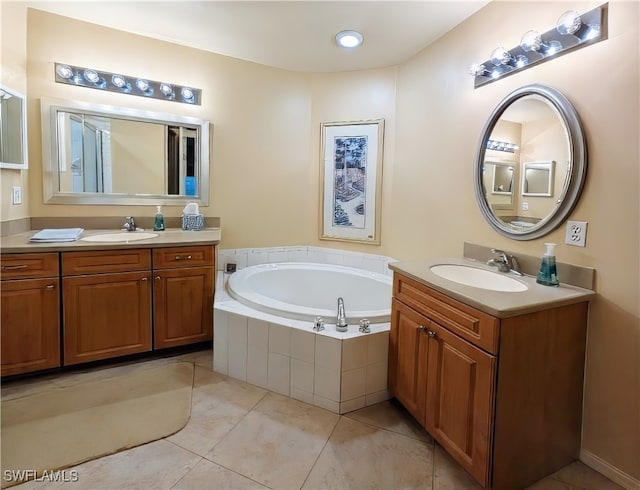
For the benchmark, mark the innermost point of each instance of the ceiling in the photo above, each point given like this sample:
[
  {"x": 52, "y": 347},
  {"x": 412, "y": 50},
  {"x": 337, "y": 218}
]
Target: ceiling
[{"x": 295, "y": 35}]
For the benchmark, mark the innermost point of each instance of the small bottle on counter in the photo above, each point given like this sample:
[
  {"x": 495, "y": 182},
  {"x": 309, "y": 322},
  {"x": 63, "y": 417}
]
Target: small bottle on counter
[
  {"x": 548, "y": 274},
  {"x": 158, "y": 224}
]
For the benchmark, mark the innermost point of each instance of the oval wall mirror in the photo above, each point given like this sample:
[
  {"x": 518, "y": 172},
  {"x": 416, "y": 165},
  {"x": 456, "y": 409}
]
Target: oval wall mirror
[{"x": 531, "y": 163}]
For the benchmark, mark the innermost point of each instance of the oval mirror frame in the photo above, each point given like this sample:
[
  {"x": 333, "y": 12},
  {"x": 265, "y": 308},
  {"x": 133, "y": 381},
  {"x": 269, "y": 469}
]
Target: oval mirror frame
[{"x": 577, "y": 169}]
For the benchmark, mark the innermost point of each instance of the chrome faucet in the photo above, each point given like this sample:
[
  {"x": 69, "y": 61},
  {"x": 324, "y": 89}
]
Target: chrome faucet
[
  {"x": 129, "y": 224},
  {"x": 504, "y": 262},
  {"x": 341, "y": 322}
]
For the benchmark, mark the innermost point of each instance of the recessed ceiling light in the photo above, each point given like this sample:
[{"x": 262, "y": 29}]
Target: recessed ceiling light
[{"x": 349, "y": 39}]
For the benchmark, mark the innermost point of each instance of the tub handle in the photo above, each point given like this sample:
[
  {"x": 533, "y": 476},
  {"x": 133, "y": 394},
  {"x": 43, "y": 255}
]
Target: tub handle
[
  {"x": 318, "y": 324},
  {"x": 364, "y": 326}
]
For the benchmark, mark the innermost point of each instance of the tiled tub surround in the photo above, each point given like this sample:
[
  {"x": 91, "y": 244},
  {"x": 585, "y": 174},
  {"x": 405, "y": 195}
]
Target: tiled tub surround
[{"x": 337, "y": 371}]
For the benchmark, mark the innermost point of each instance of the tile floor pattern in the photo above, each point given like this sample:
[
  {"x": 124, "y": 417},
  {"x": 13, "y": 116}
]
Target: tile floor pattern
[{"x": 240, "y": 436}]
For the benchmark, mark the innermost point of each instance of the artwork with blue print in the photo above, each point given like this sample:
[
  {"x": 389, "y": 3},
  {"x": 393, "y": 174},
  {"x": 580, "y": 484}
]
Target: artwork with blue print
[{"x": 349, "y": 189}]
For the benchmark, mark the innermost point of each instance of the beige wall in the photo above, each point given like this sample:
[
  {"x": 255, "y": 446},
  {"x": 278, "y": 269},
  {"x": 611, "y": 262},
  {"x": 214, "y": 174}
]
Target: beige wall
[
  {"x": 13, "y": 55},
  {"x": 265, "y": 153},
  {"x": 439, "y": 119}
]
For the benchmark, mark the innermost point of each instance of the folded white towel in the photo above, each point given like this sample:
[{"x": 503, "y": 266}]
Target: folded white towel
[{"x": 57, "y": 235}]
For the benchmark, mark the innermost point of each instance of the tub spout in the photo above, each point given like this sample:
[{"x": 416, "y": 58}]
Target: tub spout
[{"x": 341, "y": 322}]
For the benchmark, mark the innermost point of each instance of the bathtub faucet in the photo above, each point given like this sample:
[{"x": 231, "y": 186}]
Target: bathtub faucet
[{"x": 341, "y": 322}]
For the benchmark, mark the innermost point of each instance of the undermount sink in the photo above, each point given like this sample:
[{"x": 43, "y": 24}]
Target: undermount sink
[
  {"x": 125, "y": 236},
  {"x": 478, "y": 278}
]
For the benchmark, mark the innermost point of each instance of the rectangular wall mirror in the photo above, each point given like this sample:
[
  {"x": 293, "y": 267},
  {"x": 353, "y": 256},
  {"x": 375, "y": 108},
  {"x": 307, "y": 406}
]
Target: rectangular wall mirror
[
  {"x": 537, "y": 178},
  {"x": 13, "y": 129},
  {"x": 111, "y": 155}
]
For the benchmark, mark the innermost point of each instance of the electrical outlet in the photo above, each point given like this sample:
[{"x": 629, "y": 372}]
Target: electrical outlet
[
  {"x": 525, "y": 206},
  {"x": 576, "y": 233},
  {"x": 16, "y": 197}
]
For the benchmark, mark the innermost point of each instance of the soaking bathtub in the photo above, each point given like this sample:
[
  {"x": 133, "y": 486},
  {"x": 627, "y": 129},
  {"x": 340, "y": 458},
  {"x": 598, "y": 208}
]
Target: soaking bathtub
[
  {"x": 305, "y": 291},
  {"x": 263, "y": 332}
]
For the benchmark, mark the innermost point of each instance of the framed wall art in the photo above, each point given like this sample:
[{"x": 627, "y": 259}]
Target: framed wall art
[{"x": 351, "y": 180}]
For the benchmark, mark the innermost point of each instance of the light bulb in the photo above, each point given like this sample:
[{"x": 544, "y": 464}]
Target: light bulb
[
  {"x": 349, "y": 39},
  {"x": 91, "y": 76},
  {"x": 119, "y": 81},
  {"x": 500, "y": 56},
  {"x": 554, "y": 47},
  {"x": 187, "y": 93},
  {"x": 475, "y": 69},
  {"x": 166, "y": 89},
  {"x": 531, "y": 41},
  {"x": 569, "y": 22},
  {"x": 64, "y": 71},
  {"x": 142, "y": 84}
]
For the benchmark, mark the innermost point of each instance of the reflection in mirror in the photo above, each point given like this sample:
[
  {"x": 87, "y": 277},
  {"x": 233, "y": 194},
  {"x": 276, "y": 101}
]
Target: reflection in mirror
[
  {"x": 109, "y": 155},
  {"x": 537, "y": 178},
  {"x": 499, "y": 178},
  {"x": 550, "y": 157},
  {"x": 13, "y": 129}
]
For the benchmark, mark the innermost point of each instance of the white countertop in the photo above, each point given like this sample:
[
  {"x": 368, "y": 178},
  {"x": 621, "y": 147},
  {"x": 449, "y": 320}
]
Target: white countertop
[
  {"x": 19, "y": 243},
  {"x": 497, "y": 303}
]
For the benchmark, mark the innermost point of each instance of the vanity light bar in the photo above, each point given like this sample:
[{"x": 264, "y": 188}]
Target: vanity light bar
[
  {"x": 572, "y": 31},
  {"x": 501, "y": 146},
  {"x": 125, "y": 84}
]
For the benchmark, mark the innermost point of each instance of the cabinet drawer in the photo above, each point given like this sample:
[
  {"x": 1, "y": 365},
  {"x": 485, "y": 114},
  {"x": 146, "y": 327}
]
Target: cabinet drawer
[
  {"x": 172, "y": 257},
  {"x": 25, "y": 266},
  {"x": 469, "y": 323},
  {"x": 102, "y": 261}
]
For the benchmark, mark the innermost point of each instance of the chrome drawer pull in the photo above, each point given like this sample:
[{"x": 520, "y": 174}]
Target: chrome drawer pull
[
  {"x": 14, "y": 267},
  {"x": 50, "y": 286},
  {"x": 183, "y": 257}
]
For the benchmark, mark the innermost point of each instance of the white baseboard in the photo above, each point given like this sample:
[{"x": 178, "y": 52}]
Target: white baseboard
[{"x": 608, "y": 470}]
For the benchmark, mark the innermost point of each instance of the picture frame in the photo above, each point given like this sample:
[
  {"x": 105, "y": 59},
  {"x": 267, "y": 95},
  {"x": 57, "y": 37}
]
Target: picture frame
[{"x": 351, "y": 156}]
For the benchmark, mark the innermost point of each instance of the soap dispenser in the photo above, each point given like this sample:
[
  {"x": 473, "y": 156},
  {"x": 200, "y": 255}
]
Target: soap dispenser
[
  {"x": 158, "y": 224},
  {"x": 548, "y": 274}
]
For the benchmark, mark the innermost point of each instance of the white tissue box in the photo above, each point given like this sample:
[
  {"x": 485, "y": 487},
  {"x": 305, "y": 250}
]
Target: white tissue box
[{"x": 192, "y": 222}]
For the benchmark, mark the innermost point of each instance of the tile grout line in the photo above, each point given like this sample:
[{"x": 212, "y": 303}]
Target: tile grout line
[{"x": 321, "y": 451}]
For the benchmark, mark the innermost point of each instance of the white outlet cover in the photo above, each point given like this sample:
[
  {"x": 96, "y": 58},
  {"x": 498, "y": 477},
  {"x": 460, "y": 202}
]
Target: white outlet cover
[{"x": 576, "y": 233}]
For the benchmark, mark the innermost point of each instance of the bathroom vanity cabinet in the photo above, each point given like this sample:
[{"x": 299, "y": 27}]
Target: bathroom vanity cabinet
[
  {"x": 503, "y": 396},
  {"x": 107, "y": 304},
  {"x": 182, "y": 295},
  {"x": 71, "y": 307},
  {"x": 30, "y": 312}
]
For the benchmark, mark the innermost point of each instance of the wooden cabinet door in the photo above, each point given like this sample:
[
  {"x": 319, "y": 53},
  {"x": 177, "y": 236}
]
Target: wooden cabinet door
[
  {"x": 408, "y": 352},
  {"x": 460, "y": 392},
  {"x": 106, "y": 315},
  {"x": 30, "y": 315},
  {"x": 183, "y": 306}
]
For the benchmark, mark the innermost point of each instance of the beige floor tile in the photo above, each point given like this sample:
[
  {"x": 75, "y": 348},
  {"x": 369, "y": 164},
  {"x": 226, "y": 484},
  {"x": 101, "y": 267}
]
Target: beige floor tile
[
  {"x": 218, "y": 404},
  {"x": 392, "y": 416},
  {"x": 449, "y": 475},
  {"x": 359, "y": 456},
  {"x": 277, "y": 443},
  {"x": 202, "y": 358},
  {"x": 551, "y": 484},
  {"x": 157, "y": 465},
  {"x": 208, "y": 476},
  {"x": 579, "y": 475}
]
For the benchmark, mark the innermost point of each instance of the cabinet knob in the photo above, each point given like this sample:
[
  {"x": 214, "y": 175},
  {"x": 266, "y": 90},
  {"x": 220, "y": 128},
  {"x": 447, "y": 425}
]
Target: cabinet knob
[
  {"x": 432, "y": 334},
  {"x": 422, "y": 328},
  {"x": 157, "y": 278},
  {"x": 50, "y": 286},
  {"x": 144, "y": 279},
  {"x": 183, "y": 257}
]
